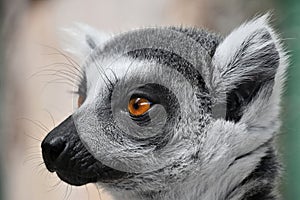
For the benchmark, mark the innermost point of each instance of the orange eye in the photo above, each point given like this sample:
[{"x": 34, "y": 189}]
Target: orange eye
[
  {"x": 138, "y": 106},
  {"x": 80, "y": 100}
]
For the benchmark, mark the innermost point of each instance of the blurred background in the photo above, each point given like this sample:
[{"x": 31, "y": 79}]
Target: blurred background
[{"x": 33, "y": 98}]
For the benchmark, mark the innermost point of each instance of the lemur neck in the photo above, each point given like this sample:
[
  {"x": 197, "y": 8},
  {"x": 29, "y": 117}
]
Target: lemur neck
[{"x": 259, "y": 185}]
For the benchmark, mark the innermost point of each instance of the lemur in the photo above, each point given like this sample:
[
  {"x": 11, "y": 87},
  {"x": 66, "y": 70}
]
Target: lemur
[{"x": 174, "y": 113}]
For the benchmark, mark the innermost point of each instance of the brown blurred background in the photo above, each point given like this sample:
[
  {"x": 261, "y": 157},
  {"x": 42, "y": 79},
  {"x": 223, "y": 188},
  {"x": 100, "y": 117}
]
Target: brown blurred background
[{"x": 34, "y": 101}]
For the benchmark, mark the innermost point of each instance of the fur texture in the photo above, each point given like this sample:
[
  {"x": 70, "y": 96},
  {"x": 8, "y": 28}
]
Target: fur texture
[{"x": 211, "y": 132}]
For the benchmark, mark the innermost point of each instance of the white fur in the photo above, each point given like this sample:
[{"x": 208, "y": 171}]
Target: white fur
[
  {"x": 74, "y": 39},
  {"x": 225, "y": 140},
  {"x": 217, "y": 173}
]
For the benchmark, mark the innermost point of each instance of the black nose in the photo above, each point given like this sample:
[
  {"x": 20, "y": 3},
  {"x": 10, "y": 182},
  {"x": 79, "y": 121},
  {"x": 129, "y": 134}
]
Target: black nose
[
  {"x": 57, "y": 145},
  {"x": 53, "y": 149}
]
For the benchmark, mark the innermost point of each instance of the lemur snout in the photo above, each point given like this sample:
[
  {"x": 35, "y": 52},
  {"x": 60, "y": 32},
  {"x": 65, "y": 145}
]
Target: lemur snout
[{"x": 64, "y": 153}]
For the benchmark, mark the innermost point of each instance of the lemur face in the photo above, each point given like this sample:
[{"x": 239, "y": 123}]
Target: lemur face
[
  {"x": 160, "y": 106},
  {"x": 137, "y": 121}
]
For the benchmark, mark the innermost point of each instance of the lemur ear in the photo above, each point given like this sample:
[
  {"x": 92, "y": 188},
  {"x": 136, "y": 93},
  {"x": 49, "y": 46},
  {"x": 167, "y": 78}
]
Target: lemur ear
[
  {"x": 249, "y": 68},
  {"x": 81, "y": 39}
]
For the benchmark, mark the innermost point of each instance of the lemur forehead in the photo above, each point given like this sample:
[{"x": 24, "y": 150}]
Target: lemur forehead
[
  {"x": 124, "y": 68},
  {"x": 155, "y": 38}
]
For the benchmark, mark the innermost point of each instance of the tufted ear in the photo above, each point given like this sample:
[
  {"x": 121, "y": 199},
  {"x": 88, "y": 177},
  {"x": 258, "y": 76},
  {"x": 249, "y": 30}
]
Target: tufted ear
[
  {"x": 81, "y": 39},
  {"x": 249, "y": 68}
]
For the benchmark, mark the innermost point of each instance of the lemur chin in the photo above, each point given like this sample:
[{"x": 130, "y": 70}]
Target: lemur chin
[{"x": 174, "y": 113}]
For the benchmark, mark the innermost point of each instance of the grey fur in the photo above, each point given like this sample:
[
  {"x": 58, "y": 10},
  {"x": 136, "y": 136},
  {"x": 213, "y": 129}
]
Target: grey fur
[{"x": 197, "y": 145}]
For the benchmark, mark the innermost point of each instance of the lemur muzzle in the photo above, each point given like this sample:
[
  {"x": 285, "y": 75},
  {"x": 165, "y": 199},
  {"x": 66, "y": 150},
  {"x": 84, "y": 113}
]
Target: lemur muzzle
[{"x": 65, "y": 154}]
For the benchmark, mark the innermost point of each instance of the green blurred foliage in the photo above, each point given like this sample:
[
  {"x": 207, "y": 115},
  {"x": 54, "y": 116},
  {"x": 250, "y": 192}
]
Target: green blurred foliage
[{"x": 290, "y": 24}]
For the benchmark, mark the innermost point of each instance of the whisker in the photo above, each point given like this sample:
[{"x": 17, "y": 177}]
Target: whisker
[
  {"x": 100, "y": 73},
  {"x": 87, "y": 191},
  {"x": 61, "y": 74},
  {"x": 39, "y": 166},
  {"x": 70, "y": 192},
  {"x": 108, "y": 67},
  {"x": 55, "y": 65},
  {"x": 70, "y": 60},
  {"x": 42, "y": 125},
  {"x": 59, "y": 182},
  {"x": 34, "y": 122},
  {"x": 71, "y": 64},
  {"x": 61, "y": 80},
  {"x": 66, "y": 192},
  {"x": 99, "y": 193},
  {"x": 55, "y": 186},
  {"x": 128, "y": 68},
  {"x": 114, "y": 74},
  {"x": 69, "y": 74},
  {"x": 103, "y": 71},
  {"x": 32, "y": 147},
  {"x": 68, "y": 65},
  {"x": 58, "y": 80},
  {"x": 42, "y": 171},
  {"x": 51, "y": 116},
  {"x": 36, "y": 139},
  {"x": 31, "y": 158}
]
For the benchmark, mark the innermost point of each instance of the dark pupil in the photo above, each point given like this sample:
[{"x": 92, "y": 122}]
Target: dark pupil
[{"x": 136, "y": 105}]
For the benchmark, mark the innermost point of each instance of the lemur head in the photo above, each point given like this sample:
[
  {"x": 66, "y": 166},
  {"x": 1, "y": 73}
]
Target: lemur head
[{"x": 162, "y": 106}]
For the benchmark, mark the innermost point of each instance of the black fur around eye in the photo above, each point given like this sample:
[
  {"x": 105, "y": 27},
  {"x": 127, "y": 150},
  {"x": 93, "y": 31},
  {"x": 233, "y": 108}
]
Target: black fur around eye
[
  {"x": 142, "y": 120},
  {"x": 158, "y": 95}
]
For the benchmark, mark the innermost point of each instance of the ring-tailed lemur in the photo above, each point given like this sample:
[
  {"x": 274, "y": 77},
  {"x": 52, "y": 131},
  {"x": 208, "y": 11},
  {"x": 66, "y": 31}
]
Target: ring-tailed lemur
[{"x": 175, "y": 114}]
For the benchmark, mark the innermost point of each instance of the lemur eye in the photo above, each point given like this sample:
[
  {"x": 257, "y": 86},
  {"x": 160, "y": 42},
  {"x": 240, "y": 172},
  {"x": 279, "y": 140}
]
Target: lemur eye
[
  {"x": 80, "y": 100},
  {"x": 138, "y": 106}
]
